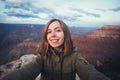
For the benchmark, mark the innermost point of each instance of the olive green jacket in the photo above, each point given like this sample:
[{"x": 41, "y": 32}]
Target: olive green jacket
[{"x": 57, "y": 67}]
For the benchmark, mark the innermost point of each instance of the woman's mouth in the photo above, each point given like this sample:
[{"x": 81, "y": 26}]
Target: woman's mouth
[{"x": 54, "y": 40}]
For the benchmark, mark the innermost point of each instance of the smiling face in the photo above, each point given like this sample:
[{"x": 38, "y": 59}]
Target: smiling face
[{"x": 55, "y": 35}]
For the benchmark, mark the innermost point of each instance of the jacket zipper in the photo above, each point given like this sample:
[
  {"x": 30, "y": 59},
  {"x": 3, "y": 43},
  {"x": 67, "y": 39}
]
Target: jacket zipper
[{"x": 61, "y": 67}]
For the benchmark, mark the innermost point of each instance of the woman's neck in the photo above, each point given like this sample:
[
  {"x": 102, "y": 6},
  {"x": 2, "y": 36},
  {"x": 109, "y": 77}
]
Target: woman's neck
[{"x": 58, "y": 49}]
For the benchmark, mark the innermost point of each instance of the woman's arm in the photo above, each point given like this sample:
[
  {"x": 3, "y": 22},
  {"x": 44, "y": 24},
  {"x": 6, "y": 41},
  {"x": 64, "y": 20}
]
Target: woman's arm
[
  {"x": 27, "y": 72},
  {"x": 87, "y": 71}
]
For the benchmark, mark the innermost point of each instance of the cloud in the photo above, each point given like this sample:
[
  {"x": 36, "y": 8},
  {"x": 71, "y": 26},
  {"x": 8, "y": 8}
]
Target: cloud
[
  {"x": 64, "y": 14},
  {"x": 3, "y": 0},
  {"x": 86, "y": 13},
  {"x": 115, "y": 9},
  {"x": 43, "y": 10},
  {"x": 102, "y": 10},
  {"x": 24, "y": 4},
  {"x": 76, "y": 12},
  {"x": 63, "y": 17},
  {"x": 24, "y": 9},
  {"x": 20, "y": 13}
]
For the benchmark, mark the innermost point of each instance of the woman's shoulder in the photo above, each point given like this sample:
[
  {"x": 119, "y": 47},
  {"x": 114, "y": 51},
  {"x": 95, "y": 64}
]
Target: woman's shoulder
[
  {"x": 79, "y": 55},
  {"x": 76, "y": 52}
]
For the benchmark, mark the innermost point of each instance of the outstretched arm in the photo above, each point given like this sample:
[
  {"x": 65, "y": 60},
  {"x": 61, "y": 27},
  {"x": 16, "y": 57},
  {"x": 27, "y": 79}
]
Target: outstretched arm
[
  {"x": 27, "y": 72},
  {"x": 87, "y": 71}
]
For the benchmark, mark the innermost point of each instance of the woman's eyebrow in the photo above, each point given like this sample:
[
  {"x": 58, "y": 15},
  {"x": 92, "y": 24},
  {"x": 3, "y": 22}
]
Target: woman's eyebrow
[{"x": 58, "y": 27}]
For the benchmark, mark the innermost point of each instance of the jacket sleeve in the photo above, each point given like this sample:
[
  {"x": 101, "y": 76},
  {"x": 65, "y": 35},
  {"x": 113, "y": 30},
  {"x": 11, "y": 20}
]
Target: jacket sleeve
[
  {"x": 87, "y": 71},
  {"x": 27, "y": 72}
]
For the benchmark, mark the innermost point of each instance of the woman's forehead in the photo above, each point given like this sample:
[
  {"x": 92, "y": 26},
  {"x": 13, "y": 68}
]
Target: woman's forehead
[{"x": 54, "y": 24}]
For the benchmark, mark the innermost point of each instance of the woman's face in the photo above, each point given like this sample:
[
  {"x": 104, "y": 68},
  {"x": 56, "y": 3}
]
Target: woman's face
[{"x": 55, "y": 35}]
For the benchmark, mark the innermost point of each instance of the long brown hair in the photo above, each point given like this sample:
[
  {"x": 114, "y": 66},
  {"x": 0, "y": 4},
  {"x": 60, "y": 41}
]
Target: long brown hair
[{"x": 44, "y": 45}]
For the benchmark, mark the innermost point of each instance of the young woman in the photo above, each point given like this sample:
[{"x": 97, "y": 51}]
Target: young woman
[{"x": 57, "y": 59}]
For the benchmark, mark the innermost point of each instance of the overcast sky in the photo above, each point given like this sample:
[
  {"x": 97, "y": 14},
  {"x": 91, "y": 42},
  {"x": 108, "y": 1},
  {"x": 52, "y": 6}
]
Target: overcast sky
[{"x": 88, "y": 13}]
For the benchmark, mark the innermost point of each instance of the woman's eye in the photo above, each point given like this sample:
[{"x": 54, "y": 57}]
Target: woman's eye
[
  {"x": 48, "y": 31},
  {"x": 58, "y": 30}
]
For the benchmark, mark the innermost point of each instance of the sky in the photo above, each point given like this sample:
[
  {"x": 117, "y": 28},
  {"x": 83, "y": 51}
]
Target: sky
[{"x": 80, "y": 13}]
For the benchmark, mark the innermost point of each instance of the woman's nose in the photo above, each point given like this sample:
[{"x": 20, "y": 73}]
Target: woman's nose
[{"x": 53, "y": 34}]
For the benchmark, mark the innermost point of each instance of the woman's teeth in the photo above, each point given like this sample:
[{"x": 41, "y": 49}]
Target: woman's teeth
[{"x": 54, "y": 40}]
